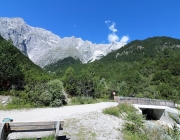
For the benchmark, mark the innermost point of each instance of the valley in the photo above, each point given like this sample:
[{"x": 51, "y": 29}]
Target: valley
[{"x": 38, "y": 69}]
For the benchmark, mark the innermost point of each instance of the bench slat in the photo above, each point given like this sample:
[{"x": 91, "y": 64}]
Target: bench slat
[
  {"x": 35, "y": 126},
  {"x": 32, "y": 127},
  {"x": 31, "y": 123}
]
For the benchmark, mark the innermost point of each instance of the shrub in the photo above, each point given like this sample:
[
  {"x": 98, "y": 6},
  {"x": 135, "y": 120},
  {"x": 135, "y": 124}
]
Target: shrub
[
  {"x": 56, "y": 102},
  {"x": 45, "y": 94},
  {"x": 46, "y": 98}
]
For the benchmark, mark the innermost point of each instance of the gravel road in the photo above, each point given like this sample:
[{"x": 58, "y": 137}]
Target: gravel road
[{"x": 82, "y": 122}]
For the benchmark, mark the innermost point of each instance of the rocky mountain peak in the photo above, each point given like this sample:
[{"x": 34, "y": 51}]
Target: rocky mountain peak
[{"x": 43, "y": 47}]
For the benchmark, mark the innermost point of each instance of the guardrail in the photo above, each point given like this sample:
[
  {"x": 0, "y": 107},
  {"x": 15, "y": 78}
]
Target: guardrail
[{"x": 144, "y": 101}]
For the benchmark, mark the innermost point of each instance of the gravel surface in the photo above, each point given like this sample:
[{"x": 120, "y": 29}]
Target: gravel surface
[{"x": 82, "y": 122}]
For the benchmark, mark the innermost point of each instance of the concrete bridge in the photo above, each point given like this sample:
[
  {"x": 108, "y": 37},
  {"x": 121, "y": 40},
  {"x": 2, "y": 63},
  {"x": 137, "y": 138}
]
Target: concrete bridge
[
  {"x": 156, "y": 112},
  {"x": 153, "y": 109}
]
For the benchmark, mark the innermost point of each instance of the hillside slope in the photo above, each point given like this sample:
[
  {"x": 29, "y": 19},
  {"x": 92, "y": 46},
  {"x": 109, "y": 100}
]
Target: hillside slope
[
  {"x": 140, "y": 49},
  {"x": 16, "y": 69}
]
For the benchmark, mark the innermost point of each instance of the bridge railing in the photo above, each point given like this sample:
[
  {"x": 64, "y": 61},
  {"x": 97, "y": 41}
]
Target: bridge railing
[{"x": 144, "y": 101}]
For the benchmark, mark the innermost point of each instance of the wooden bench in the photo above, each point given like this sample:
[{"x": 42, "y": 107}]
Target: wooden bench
[{"x": 10, "y": 127}]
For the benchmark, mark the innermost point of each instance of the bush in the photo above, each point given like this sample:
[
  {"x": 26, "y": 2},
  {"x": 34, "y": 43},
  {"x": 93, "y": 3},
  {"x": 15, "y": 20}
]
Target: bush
[
  {"x": 46, "y": 98},
  {"x": 56, "y": 102},
  {"x": 46, "y": 94}
]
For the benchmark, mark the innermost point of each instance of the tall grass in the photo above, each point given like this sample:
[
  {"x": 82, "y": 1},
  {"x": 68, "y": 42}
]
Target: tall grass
[{"x": 112, "y": 111}]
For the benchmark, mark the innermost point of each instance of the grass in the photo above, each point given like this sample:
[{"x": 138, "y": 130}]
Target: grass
[
  {"x": 134, "y": 120},
  {"x": 175, "y": 118},
  {"x": 134, "y": 136},
  {"x": 83, "y": 100},
  {"x": 16, "y": 103},
  {"x": 51, "y": 137},
  {"x": 112, "y": 111},
  {"x": 82, "y": 132}
]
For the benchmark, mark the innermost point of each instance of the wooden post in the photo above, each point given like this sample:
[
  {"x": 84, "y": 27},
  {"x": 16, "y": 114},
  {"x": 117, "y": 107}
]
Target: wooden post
[
  {"x": 2, "y": 131},
  {"x": 57, "y": 130}
]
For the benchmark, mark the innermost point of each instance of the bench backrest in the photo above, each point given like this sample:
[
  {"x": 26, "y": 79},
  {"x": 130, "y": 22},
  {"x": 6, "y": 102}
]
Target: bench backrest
[{"x": 10, "y": 127}]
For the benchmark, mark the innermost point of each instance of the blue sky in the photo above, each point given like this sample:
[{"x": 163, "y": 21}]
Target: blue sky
[{"x": 99, "y": 21}]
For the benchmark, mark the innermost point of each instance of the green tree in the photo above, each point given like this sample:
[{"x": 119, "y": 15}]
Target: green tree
[
  {"x": 70, "y": 82},
  {"x": 10, "y": 72}
]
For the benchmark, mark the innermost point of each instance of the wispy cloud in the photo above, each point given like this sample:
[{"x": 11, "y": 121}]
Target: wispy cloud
[
  {"x": 107, "y": 21},
  {"x": 113, "y": 37},
  {"x": 112, "y": 27}
]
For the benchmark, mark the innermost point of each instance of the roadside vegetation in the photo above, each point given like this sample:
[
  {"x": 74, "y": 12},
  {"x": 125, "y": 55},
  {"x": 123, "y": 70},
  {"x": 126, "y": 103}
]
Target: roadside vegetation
[{"x": 136, "y": 128}]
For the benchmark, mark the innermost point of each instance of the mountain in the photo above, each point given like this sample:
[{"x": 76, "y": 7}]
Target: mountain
[
  {"x": 43, "y": 47},
  {"x": 16, "y": 69},
  {"x": 134, "y": 51},
  {"x": 140, "y": 49}
]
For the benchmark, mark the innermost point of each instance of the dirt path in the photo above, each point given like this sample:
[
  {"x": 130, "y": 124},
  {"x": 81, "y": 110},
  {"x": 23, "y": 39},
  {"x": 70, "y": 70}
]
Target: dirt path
[{"x": 81, "y": 121}]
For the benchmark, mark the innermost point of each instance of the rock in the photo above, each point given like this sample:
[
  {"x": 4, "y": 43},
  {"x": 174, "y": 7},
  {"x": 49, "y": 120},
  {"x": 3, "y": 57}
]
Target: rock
[{"x": 3, "y": 102}]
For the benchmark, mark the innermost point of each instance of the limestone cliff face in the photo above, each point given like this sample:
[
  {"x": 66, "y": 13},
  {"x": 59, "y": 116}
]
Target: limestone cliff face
[{"x": 43, "y": 47}]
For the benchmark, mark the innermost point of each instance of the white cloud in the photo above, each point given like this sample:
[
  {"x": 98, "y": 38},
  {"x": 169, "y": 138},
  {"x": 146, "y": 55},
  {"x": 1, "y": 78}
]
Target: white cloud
[
  {"x": 124, "y": 39},
  {"x": 113, "y": 37}
]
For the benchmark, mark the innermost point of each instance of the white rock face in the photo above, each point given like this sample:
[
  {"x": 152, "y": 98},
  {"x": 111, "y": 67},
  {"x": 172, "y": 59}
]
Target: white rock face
[{"x": 43, "y": 47}]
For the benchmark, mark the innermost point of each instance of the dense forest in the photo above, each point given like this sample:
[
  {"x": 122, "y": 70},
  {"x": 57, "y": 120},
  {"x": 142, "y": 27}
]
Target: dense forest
[
  {"x": 148, "y": 68},
  {"x": 143, "y": 68}
]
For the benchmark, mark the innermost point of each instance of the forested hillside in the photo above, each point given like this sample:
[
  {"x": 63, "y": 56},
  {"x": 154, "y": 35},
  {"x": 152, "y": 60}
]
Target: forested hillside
[
  {"x": 148, "y": 68},
  {"x": 62, "y": 64},
  {"x": 16, "y": 69},
  {"x": 140, "y": 49},
  {"x": 29, "y": 85}
]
